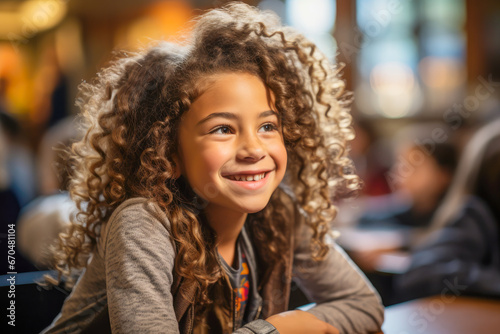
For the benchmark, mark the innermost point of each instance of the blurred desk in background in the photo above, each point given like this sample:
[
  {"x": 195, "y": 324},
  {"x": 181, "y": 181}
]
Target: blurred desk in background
[
  {"x": 443, "y": 315},
  {"x": 380, "y": 254},
  {"x": 385, "y": 246},
  {"x": 366, "y": 239}
]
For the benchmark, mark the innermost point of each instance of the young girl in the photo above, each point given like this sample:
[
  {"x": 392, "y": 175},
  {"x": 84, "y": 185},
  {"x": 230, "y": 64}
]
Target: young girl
[{"x": 204, "y": 183}]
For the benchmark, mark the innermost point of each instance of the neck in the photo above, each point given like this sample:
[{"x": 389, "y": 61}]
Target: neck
[
  {"x": 227, "y": 226},
  {"x": 425, "y": 205}
]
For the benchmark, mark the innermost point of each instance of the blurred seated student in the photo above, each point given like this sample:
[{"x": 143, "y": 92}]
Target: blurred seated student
[
  {"x": 462, "y": 252},
  {"x": 10, "y": 206},
  {"x": 41, "y": 221},
  {"x": 418, "y": 192},
  {"x": 19, "y": 157},
  {"x": 420, "y": 177},
  {"x": 39, "y": 225},
  {"x": 370, "y": 157},
  {"x": 52, "y": 154}
]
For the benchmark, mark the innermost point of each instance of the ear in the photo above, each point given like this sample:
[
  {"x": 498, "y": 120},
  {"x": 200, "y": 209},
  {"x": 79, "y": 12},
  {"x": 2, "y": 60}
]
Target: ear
[{"x": 177, "y": 167}]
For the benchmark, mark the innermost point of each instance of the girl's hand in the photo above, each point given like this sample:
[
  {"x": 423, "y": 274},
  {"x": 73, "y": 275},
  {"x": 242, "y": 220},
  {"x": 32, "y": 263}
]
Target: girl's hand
[{"x": 299, "y": 322}]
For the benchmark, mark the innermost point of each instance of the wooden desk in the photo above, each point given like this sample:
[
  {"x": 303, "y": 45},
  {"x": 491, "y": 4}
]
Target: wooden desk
[{"x": 443, "y": 315}]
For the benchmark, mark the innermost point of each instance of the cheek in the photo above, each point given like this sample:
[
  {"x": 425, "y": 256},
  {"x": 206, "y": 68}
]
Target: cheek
[
  {"x": 279, "y": 155},
  {"x": 209, "y": 158},
  {"x": 213, "y": 159}
]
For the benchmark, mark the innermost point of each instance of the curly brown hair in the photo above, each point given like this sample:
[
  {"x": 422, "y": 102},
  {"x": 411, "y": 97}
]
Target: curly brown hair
[{"x": 132, "y": 112}]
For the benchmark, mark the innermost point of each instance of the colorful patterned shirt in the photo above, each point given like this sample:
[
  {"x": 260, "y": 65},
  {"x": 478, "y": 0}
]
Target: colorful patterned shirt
[{"x": 239, "y": 276}]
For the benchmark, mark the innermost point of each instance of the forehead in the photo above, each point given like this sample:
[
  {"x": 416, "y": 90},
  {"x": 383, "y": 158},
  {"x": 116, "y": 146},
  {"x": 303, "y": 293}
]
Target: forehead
[
  {"x": 232, "y": 91},
  {"x": 223, "y": 80}
]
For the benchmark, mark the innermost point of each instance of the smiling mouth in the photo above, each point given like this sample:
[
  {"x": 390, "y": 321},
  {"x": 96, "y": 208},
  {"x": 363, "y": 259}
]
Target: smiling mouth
[{"x": 247, "y": 177}]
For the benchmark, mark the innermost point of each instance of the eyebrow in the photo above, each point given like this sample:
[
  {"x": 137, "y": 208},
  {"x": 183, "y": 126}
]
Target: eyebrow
[{"x": 229, "y": 115}]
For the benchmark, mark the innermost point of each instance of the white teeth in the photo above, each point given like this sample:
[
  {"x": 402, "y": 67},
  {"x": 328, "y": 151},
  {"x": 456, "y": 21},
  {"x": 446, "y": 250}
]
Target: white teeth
[
  {"x": 255, "y": 177},
  {"x": 258, "y": 177}
]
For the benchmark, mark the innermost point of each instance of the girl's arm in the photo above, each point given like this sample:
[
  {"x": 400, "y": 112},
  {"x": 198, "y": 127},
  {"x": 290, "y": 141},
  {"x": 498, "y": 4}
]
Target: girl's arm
[
  {"x": 139, "y": 260},
  {"x": 298, "y": 322},
  {"x": 344, "y": 297}
]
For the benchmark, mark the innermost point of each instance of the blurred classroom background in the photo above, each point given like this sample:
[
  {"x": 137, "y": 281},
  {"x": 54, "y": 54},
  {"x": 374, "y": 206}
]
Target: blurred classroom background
[{"x": 425, "y": 75}]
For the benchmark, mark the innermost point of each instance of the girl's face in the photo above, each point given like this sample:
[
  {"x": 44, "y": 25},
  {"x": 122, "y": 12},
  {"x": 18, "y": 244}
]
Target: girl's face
[{"x": 231, "y": 147}]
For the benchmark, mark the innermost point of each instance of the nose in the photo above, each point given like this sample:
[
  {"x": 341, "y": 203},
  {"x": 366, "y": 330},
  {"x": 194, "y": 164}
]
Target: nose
[{"x": 250, "y": 149}]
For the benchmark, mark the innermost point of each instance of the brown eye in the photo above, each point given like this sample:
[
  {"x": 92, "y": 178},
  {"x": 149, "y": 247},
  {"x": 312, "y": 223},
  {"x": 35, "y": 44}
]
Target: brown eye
[
  {"x": 268, "y": 127},
  {"x": 223, "y": 130}
]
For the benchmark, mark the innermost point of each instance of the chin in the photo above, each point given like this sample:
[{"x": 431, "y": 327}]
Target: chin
[{"x": 254, "y": 208}]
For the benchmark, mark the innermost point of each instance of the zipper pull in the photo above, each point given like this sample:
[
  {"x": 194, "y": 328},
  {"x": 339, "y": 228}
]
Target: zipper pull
[{"x": 258, "y": 312}]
